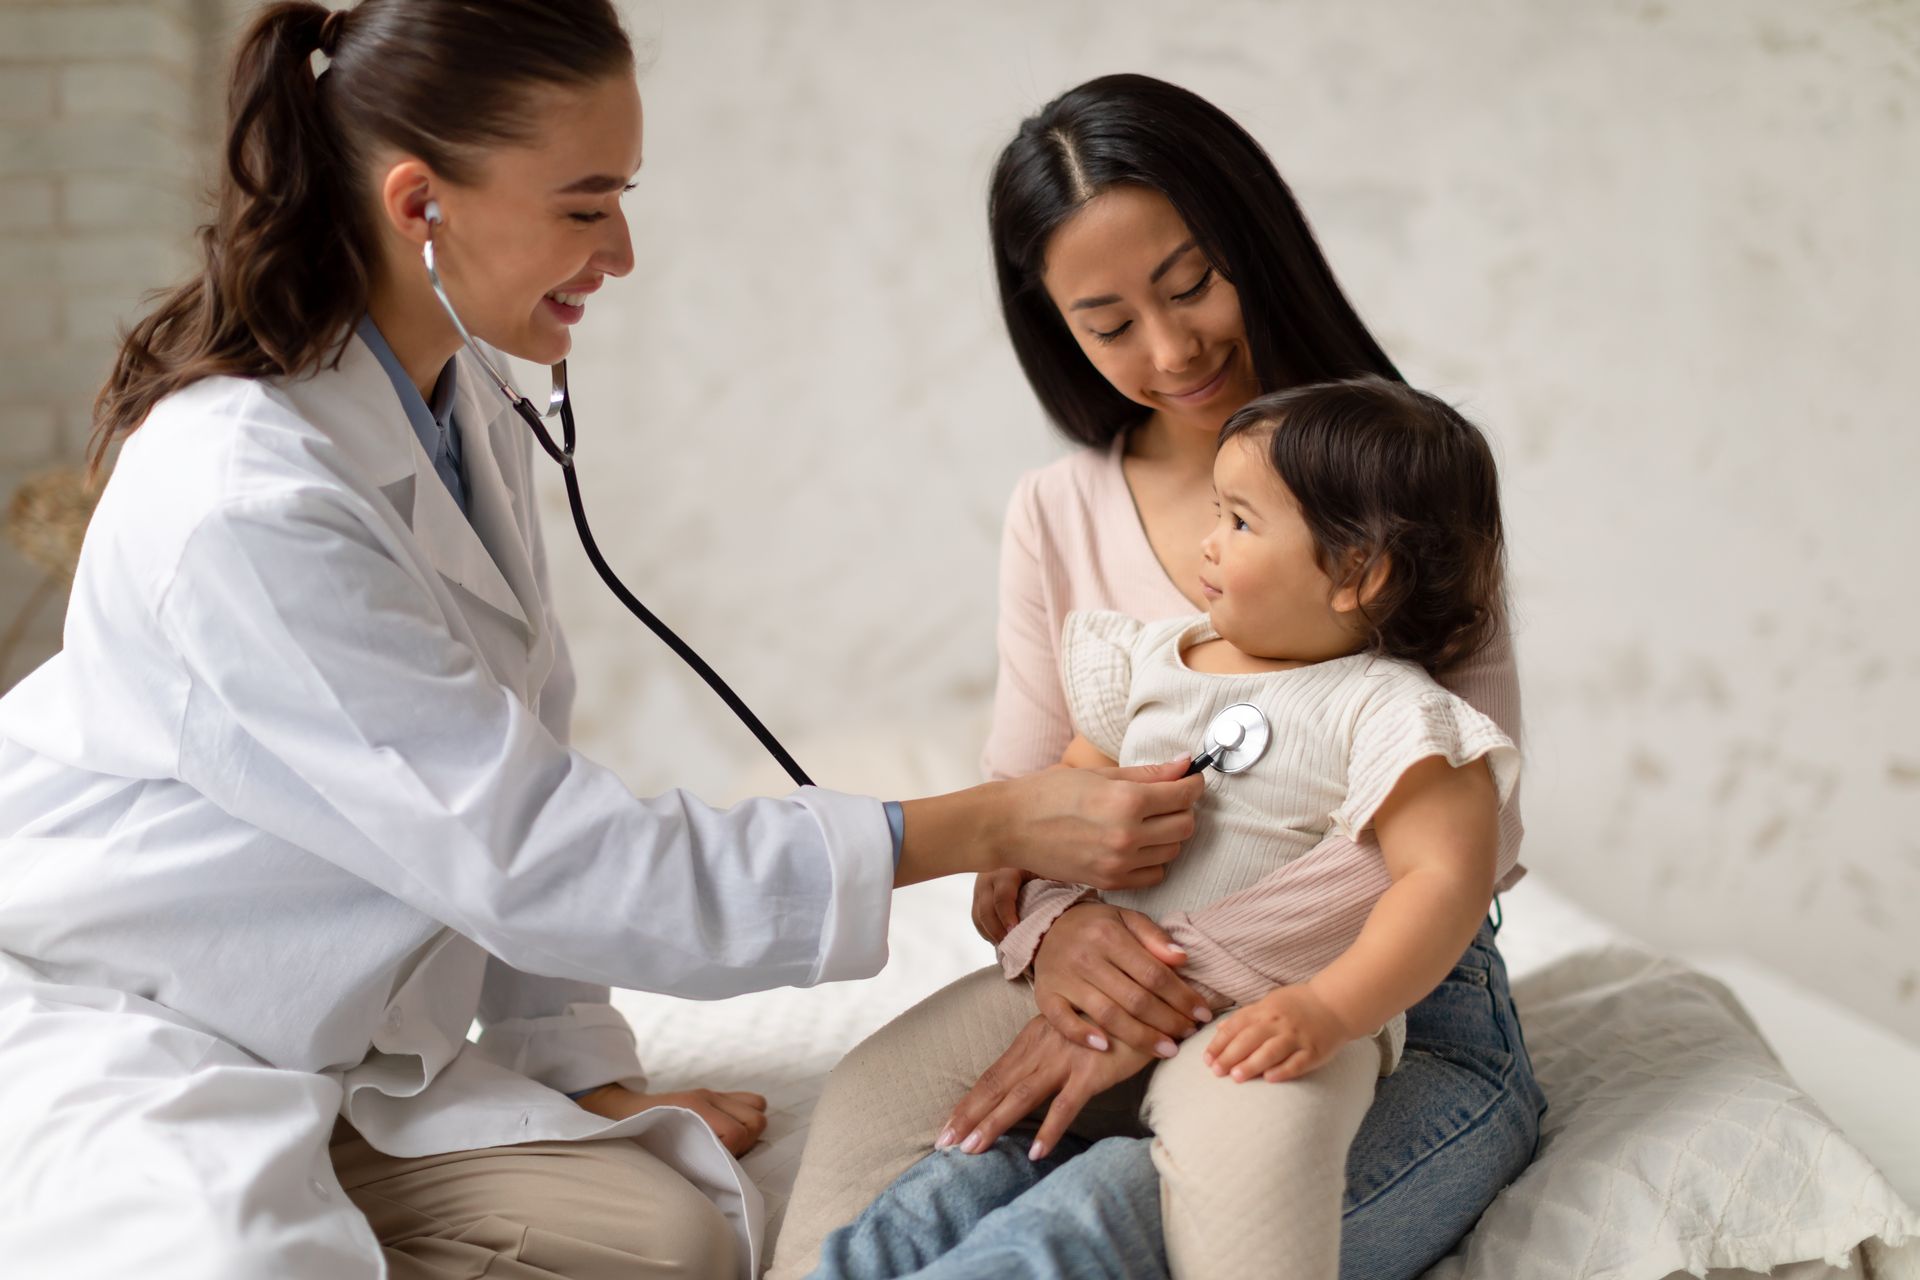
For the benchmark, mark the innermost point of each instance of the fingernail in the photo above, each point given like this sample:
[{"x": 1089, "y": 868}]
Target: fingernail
[
  {"x": 1035, "y": 1151},
  {"x": 945, "y": 1139},
  {"x": 1202, "y": 1014},
  {"x": 1239, "y": 1075},
  {"x": 973, "y": 1144},
  {"x": 1166, "y": 1048},
  {"x": 1097, "y": 1043}
]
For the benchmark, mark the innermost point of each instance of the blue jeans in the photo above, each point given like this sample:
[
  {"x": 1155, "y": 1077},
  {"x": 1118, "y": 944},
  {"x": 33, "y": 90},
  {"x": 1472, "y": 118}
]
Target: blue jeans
[{"x": 1455, "y": 1123}]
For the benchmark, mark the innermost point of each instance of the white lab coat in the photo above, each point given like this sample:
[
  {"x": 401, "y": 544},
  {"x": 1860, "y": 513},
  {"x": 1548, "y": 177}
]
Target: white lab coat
[{"x": 295, "y": 807}]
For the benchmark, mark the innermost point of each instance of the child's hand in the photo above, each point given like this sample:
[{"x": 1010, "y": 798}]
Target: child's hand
[{"x": 1283, "y": 1035}]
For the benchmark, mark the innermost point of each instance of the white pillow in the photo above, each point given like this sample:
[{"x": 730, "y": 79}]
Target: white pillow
[{"x": 1674, "y": 1142}]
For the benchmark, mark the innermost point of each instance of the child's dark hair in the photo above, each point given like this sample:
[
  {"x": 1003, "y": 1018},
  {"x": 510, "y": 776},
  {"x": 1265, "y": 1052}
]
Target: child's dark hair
[{"x": 1389, "y": 476}]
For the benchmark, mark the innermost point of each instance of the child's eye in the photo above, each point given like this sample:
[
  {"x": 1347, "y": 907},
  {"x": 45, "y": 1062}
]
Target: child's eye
[
  {"x": 1110, "y": 334},
  {"x": 1206, "y": 279},
  {"x": 1239, "y": 525}
]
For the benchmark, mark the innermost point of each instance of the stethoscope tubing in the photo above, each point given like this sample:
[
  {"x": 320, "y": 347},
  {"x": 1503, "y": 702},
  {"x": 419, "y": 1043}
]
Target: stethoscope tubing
[{"x": 565, "y": 456}]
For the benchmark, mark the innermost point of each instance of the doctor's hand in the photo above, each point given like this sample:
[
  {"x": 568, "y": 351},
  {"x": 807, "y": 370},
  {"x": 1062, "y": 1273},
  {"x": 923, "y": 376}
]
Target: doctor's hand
[
  {"x": 737, "y": 1119},
  {"x": 1106, "y": 828},
  {"x": 1037, "y": 1066}
]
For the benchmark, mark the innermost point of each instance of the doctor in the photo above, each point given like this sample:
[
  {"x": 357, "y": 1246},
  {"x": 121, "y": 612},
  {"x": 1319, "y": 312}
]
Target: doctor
[{"x": 295, "y": 807}]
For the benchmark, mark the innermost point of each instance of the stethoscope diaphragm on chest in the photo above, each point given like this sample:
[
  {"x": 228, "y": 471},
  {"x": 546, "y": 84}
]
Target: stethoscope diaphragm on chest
[{"x": 1236, "y": 739}]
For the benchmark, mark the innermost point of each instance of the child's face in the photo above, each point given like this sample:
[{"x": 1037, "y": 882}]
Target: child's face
[{"x": 1266, "y": 593}]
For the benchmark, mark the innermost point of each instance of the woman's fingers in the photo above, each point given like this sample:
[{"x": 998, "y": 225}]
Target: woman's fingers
[
  {"x": 1070, "y": 1026},
  {"x": 1164, "y": 988},
  {"x": 1156, "y": 941},
  {"x": 1060, "y": 1116},
  {"x": 1114, "y": 1019},
  {"x": 1019, "y": 1102},
  {"x": 1035, "y": 1066}
]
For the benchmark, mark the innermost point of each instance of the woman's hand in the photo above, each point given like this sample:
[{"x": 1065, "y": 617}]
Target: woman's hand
[
  {"x": 737, "y": 1119},
  {"x": 996, "y": 902},
  {"x": 1037, "y": 1066},
  {"x": 1112, "y": 966},
  {"x": 1283, "y": 1035}
]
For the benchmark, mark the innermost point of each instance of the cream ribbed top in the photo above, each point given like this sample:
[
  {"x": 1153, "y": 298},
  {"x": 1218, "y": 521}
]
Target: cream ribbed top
[{"x": 1344, "y": 732}]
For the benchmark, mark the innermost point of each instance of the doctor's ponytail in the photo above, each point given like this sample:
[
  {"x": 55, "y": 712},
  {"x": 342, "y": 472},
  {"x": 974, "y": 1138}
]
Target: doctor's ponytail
[{"x": 287, "y": 261}]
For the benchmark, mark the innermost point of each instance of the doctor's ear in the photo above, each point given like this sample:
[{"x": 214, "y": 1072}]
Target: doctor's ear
[{"x": 407, "y": 199}]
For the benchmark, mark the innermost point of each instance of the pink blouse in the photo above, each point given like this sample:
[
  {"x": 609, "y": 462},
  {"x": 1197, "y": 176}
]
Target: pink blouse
[{"x": 1073, "y": 540}]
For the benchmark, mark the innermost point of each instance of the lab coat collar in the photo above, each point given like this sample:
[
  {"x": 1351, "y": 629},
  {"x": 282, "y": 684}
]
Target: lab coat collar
[{"x": 488, "y": 555}]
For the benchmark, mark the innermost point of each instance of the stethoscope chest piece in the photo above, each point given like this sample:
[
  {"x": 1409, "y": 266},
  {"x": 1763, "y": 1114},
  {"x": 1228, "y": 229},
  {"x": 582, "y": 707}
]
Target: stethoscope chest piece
[{"x": 1236, "y": 738}]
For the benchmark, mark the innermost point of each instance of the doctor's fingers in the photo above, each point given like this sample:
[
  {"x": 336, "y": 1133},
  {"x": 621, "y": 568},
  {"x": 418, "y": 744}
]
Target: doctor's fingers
[{"x": 1157, "y": 795}]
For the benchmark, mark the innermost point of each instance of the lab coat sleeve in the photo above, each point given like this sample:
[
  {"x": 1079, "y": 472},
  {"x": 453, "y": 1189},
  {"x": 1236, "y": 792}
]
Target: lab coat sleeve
[
  {"x": 562, "y": 1033},
  {"x": 330, "y": 704}
]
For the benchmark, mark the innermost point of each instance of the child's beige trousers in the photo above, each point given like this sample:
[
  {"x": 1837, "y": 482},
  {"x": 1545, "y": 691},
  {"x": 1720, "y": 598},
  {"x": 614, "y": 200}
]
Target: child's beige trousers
[{"x": 1251, "y": 1175}]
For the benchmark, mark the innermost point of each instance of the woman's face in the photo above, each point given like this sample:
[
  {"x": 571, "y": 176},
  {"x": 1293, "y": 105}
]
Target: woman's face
[
  {"x": 541, "y": 228},
  {"x": 1155, "y": 317}
]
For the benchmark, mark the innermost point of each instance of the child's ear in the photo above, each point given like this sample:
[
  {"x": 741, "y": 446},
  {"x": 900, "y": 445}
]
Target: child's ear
[{"x": 1362, "y": 582}]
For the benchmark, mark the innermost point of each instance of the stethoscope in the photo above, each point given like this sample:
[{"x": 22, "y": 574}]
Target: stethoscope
[
  {"x": 559, "y": 403},
  {"x": 1235, "y": 738}
]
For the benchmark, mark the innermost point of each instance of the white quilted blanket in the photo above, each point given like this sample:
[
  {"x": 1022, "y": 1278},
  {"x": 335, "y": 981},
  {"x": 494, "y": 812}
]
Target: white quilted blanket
[{"x": 1674, "y": 1141}]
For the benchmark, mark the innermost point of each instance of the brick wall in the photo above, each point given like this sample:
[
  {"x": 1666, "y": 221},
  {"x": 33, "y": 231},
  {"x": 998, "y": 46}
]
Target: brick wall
[{"x": 106, "y": 107}]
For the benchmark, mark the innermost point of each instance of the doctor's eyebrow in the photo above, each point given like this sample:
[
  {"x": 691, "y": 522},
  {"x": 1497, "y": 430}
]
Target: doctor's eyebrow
[
  {"x": 1166, "y": 265},
  {"x": 598, "y": 184}
]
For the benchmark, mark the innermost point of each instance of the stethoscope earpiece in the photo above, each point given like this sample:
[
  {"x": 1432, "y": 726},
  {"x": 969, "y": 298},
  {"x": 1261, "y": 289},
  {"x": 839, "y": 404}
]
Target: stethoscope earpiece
[{"x": 433, "y": 212}]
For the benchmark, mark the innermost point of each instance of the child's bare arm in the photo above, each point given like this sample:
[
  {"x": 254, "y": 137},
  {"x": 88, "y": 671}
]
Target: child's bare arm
[
  {"x": 1439, "y": 836},
  {"x": 1081, "y": 754}
]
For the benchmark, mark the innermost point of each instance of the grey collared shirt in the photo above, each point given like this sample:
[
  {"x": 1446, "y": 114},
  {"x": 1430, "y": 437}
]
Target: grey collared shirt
[{"x": 433, "y": 424}]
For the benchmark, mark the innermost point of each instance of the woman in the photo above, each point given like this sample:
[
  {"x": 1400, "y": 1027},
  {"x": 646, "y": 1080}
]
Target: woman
[
  {"x": 294, "y": 808},
  {"x": 1156, "y": 274}
]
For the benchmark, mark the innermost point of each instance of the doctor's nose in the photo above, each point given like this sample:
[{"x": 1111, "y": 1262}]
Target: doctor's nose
[{"x": 615, "y": 256}]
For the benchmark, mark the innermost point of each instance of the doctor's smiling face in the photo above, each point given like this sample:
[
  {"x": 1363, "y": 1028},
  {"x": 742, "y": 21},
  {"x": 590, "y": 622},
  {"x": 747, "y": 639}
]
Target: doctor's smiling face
[{"x": 523, "y": 245}]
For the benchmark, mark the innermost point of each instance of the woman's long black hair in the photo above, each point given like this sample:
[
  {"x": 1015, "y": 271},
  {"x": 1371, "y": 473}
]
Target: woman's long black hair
[{"x": 1134, "y": 130}]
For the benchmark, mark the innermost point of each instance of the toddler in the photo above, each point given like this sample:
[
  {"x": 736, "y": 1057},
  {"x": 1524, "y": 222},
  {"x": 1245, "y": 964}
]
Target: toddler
[{"x": 1358, "y": 549}]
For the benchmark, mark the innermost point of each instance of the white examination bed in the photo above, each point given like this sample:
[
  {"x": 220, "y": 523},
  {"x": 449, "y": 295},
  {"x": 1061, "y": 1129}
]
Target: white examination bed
[{"x": 1673, "y": 1142}]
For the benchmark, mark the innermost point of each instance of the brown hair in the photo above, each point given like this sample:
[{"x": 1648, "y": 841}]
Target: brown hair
[
  {"x": 1390, "y": 477},
  {"x": 289, "y": 255}
]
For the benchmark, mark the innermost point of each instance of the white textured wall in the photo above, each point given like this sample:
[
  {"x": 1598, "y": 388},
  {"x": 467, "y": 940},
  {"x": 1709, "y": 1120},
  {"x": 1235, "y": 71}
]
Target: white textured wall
[
  {"x": 101, "y": 120},
  {"x": 1665, "y": 253}
]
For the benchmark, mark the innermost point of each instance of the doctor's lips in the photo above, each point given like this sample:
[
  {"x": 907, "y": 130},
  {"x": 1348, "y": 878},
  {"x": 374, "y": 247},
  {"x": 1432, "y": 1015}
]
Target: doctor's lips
[
  {"x": 569, "y": 302},
  {"x": 1206, "y": 390}
]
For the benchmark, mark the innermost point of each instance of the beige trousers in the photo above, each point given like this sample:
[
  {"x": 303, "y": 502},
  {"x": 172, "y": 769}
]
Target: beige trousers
[
  {"x": 540, "y": 1211},
  {"x": 1251, "y": 1175}
]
